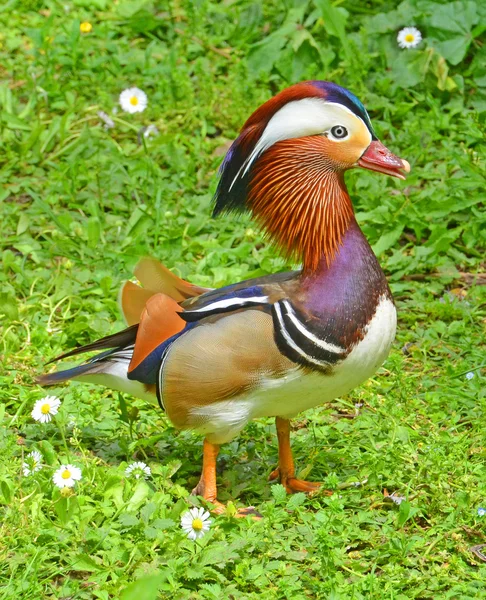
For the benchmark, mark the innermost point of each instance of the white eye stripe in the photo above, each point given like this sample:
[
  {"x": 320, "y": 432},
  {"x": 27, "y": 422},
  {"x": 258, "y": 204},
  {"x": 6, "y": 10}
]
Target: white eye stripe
[{"x": 300, "y": 118}]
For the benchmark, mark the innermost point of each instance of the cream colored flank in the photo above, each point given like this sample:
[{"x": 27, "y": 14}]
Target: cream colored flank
[
  {"x": 298, "y": 391},
  {"x": 284, "y": 394}
]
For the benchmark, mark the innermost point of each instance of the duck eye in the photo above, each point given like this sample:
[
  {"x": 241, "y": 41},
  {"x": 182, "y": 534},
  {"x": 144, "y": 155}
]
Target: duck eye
[{"x": 339, "y": 132}]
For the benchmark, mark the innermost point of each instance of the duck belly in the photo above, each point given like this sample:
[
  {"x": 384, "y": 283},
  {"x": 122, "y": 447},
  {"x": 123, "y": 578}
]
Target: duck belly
[{"x": 300, "y": 390}]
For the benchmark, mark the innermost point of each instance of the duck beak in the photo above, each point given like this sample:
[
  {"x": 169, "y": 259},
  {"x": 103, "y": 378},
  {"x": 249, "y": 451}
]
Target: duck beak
[{"x": 377, "y": 157}]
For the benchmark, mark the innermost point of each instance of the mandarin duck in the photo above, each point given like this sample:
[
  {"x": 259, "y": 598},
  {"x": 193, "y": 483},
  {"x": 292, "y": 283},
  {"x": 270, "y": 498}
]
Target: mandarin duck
[{"x": 277, "y": 345}]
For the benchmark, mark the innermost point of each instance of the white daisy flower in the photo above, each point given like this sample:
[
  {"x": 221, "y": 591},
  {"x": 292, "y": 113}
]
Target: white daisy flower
[
  {"x": 481, "y": 511},
  {"x": 195, "y": 523},
  {"x": 469, "y": 375},
  {"x": 133, "y": 100},
  {"x": 409, "y": 37},
  {"x": 107, "y": 120},
  {"x": 66, "y": 476},
  {"x": 394, "y": 497},
  {"x": 138, "y": 470},
  {"x": 45, "y": 408},
  {"x": 32, "y": 463},
  {"x": 150, "y": 130}
]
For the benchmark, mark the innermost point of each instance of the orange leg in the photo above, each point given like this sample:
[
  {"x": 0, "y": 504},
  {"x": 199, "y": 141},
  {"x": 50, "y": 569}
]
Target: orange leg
[
  {"x": 207, "y": 483},
  {"x": 286, "y": 470}
]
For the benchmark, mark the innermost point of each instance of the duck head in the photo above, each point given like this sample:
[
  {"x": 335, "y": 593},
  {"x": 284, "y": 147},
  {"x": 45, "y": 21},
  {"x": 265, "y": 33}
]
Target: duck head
[{"x": 288, "y": 162}]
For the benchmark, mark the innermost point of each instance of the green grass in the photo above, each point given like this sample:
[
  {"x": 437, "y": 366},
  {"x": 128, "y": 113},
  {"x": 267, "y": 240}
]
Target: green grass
[{"x": 80, "y": 204}]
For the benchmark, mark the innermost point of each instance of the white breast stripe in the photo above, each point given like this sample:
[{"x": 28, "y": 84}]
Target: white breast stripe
[
  {"x": 309, "y": 335},
  {"x": 161, "y": 368},
  {"x": 228, "y": 303},
  {"x": 291, "y": 342}
]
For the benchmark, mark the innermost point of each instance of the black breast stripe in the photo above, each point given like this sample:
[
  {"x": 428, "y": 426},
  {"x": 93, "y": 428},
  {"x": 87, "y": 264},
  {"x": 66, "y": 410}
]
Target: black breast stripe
[{"x": 299, "y": 343}]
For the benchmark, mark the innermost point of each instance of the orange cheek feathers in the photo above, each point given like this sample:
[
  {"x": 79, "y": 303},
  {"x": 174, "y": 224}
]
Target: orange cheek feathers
[
  {"x": 344, "y": 154},
  {"x": 298, "y": 195}
]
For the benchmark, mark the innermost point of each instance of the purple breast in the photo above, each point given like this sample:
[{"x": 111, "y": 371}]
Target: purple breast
[{"x": 340, "y": 299}]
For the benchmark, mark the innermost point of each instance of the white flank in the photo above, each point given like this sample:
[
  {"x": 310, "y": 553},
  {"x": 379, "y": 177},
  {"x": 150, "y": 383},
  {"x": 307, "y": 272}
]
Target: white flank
[
  {"x": 297, "y": 391},
  {"x": 115, "y": 377}
]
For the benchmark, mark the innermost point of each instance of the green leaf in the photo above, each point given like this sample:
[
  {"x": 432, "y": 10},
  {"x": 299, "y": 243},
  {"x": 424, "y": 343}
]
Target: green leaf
[
  {"x": 8, "y": 307},
  {"x": 49, "y": 212},
  {"x": 139, "y": 496},
  {"x": 405, "y": 513},
  {"x": 128, "y": 520},
  {"x": 264, "y": 54},
  {"x": 150, "y": 532},
  {"x": 92, "y": 4},
  {"x": 163, "y": 523},
  {"x": 402, "y": 433},
  {"x": 128, "y": 8},
  {"x": 216, "y": 555},
  {"x": 392, "y": 20},
  {"x": 93, "y": 230},
  {"x": 451, "y": 29},
  {"x": 279, "y": 493},
  {"x": 84, "y": 562},
  {"x": 6, "y": 491},
  {"x": 123, "y": 408},
  {"x": 13, "y": 122},
  {"x": 334, "y": 20},
  {"x": 296, "y": 500},
  {"x": 388, "y": 239},
  {"x": 23, "y": 223},
  {"x": 146, "y": 588},
  {"x": 64, "y": 507},
  {"x": 147, "y": 511},
  {"x": 194, "y": 572},
  {"x": 135, "y": 217},
  {"x": 48, "y": 452},
  {"x": 409, "y": 68}
]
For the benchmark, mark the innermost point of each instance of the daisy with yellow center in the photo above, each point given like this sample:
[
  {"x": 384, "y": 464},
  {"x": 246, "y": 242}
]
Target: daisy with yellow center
[
  {"x": 32, "y": 463},
  {"x": 85, "y": 27},
  {"x": 195, "y": 523},
  {"x": 409, "y": 37},
  {"x": 45, "y": 408},
  {"x": 133, "y": 100},
  {"x": 139, "y": 470},
  {"x": 66, "y": 476}
]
